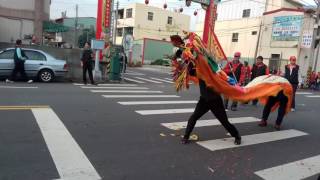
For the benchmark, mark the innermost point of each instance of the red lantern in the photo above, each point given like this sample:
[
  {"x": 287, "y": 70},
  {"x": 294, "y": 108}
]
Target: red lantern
[
  {"x": 165, "y": 6},
  {"x": 146, "y": 2},
  {"x": 195, "y": 13},
  {"x": 181, "y": 10}
]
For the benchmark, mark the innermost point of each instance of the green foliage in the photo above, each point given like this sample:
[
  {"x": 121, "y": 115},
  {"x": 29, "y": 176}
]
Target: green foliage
[{"x": 87, "y": 35}]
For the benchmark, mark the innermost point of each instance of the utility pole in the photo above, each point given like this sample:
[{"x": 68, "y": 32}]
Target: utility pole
[
  {"x": 115, "y": 24},
  {"x": 76, "y": 28}
]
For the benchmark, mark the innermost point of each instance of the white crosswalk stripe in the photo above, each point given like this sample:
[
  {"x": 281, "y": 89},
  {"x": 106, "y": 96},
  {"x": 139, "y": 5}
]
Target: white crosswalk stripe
[
  {"x": 303, "y": 93},
  {"x": 313, "y": 96},
  {"x": 95, "y": 87},
  {"x": 226, "y": 143},
  {"x": 78, "y": 84},
  {"x": 140, "y": 96},
  {"x": 211, "y": 122},
  {"x": 18, "y": 87},
  {"x": 124, "y": 91},
  {"x": 162, "y": 80},
  {"x": 156, "y": 102},
  {"x": 165, "y": 111},
  {"x": 294, "y": 171},
  {"x": 148, "y": 80},
  {"x": 133, "y": 80}
]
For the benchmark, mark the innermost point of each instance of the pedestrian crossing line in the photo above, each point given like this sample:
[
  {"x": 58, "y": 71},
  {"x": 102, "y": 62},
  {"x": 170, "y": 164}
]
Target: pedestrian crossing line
[
  {"x": 294, "y": 171},
  {"x": 226, "y": 143},
  {"x": 128, "y": 103},
  {"x": 131, "y": 88},
  {"x": 18, "y": 87},
  {"x": 133, "y": 72},
  {"x": 168, "y": 79},
  {"x": 313, "y": 96},
  {"x": 140, "y": 96},
  {"x": 165, "y": 111},
  {"x": 148, "y": 80},
  {"x": 21, "y": 107},
  {"x": 69, "y": 159},
  {"x": 211, "y": 122},
  {"x": 162, "y": 80},
  {"x": 123, "y": 91},
  {"x": 133, "y": 80},
  {"x": 77, "y": 84},
  {"x": 304, "y": 93}
]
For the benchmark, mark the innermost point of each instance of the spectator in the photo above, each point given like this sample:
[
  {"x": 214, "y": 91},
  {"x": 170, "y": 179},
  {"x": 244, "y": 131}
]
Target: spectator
[
  {"x": 292, "y": 74},
  {"x": 86, "y": 63},
  {"x": 258, "y": 69},
  {"x": 235, "y": 69},
  {"x": 19, "y": 60}
]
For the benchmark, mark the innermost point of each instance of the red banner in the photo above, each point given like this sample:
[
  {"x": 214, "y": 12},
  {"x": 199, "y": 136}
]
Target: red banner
[
  {"x": 209, "y": 37},
  {"x": 103, "y": 17}
]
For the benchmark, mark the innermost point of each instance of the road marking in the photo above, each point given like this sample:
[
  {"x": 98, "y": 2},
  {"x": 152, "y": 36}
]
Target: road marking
[
  {"x": 70, "y": 160},
  {"x": 18, "y": 87},
  {"x": 156, "y": 102},
  {"x": 294, "y": 171},
  {"x": 77, "y": 84},
  {"x": 165, "y": 111},
  {"x": 314, "y": 96},
  {"x": 169, "y": 79},
  {"x": 149, "y": 80},
  {"x": 211, "y": 122},
  {"x": 140, "y": 96},
  {"x": 162, "y": 80},
  {"x": 133, "y": 80},
  {"x": 303, "y": 93},
  {"x": 21, "y": 107},
  {"x": 133, "y": 72},
  {"x": 123, "y": 91},
  {"x": 226, "y": 143},
  {"x": 95, "y": 87}
]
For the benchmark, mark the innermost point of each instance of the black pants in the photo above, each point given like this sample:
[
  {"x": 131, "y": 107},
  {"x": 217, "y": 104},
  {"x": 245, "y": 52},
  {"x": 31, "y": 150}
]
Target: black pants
[
  {"x": 283, "y": 100},
  {"x": 294, "y": 87},
  {"x": 233, "y": 105},
  {"x": 255, "y": 102},
  {"x": 217, "y": 108},
  {"x": 87, "y": 67},
  {"x": 19, "y": 68}
]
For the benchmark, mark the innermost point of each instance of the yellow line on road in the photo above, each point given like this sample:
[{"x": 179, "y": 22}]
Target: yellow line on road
[{"x": 4, "y": 108}]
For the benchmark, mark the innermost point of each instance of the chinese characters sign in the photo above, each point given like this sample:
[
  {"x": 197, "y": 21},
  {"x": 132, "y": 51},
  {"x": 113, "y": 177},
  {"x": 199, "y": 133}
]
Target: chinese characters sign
[
  {"x": 106, "y": 14},
  {"x": 306, "y": 39},
  {"x": 286, "y": 28}
]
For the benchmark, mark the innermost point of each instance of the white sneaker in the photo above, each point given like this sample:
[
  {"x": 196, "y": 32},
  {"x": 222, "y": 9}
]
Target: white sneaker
[
  {"x": 293, "y": 109},
  {"x": 8, "y": 81},
  {"x": 30, "y": 81}
]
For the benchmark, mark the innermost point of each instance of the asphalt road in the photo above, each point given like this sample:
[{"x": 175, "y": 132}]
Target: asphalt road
[{"x": 69, "y": 131}]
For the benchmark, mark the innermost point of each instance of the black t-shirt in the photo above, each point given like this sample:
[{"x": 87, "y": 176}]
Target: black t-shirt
[{"x": 86, "y": 56}]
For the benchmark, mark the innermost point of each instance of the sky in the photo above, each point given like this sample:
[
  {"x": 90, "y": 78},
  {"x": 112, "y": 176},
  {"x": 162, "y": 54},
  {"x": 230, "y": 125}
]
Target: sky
[{"x": 88, "y": 8}]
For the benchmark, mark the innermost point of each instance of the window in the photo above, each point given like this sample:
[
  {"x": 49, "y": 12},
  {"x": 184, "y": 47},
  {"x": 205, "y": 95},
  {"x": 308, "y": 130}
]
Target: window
[
  {"x": 129, "y": 30},
  {"x": 120, "y": 13},
  {"x": 235, "y": 37},
  {"x": 119, "y": 32},
  {"x": 7, "y": 54},
  {"x": 254, "y": 33},
  {"x": 34, "y": 55},
  {"x": 150, "y": 16},
  {"x": 246, "y": 13},
  {"x": 169, "y": 20},
  {"x": 129, "y": 13}
]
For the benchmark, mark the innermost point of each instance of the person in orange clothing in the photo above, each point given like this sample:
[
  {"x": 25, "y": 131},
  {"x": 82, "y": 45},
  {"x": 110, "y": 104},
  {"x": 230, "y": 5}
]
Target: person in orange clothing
[{"x": 235, "y": 69}]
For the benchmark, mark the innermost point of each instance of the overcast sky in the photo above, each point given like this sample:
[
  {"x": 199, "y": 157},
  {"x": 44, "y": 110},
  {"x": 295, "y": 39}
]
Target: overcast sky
[{"x": 88, "y": 8}]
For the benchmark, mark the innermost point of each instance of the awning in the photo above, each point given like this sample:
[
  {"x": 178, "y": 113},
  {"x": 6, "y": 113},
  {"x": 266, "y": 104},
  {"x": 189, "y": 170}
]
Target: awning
[{"x": 52, "y": 27}]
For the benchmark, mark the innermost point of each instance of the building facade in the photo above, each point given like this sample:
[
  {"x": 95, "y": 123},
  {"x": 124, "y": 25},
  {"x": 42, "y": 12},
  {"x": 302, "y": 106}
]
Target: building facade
[
  {"x": 143, "y": 21},
  {"x": 23, "y": 19}
]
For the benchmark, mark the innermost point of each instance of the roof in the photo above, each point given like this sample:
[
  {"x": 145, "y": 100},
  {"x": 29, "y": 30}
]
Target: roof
[{"x": 284, "y": 9}]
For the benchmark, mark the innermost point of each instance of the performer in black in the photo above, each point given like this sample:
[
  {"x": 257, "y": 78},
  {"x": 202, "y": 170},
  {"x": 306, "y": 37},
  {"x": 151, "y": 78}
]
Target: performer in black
[
  {"x": 86, "y": 62},
  {"x": 258, "y": 69}
]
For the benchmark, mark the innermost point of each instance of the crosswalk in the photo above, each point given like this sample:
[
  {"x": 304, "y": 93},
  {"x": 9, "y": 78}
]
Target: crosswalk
[{"x": 149, "y": 108}]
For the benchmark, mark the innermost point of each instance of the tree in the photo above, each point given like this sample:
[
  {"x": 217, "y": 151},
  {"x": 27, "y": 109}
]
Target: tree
[{"x": 86, "y": 36}]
